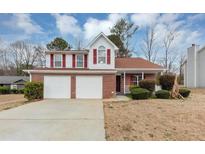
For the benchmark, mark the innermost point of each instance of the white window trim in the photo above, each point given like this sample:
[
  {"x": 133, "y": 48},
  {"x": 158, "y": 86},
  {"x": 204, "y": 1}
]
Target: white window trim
[
  {"x": 76, "y": 60},
  {"x": 55, "y": 60},
  {"x": 105, "y": 56}
]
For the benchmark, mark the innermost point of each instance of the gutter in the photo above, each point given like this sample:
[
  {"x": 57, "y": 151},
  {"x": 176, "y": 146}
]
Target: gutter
[
  {"x": 141, "y": 69},
  {"x": 70, "y": 71}
]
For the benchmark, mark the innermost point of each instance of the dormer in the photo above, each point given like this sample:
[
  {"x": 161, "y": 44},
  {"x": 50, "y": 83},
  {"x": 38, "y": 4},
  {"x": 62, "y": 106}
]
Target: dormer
[{"x": 101, "y": 53}]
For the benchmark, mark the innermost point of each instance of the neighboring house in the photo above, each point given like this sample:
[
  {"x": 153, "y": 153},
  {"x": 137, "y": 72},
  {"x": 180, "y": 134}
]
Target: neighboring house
[
  {"x": 194, "y": 67},
  {"x": 91, "y": 73},
  {"x": 13, "y": 82}
]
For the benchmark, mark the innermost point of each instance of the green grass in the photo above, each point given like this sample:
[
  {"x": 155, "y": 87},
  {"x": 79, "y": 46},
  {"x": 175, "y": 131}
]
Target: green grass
[{"x": 129, "y": 96}]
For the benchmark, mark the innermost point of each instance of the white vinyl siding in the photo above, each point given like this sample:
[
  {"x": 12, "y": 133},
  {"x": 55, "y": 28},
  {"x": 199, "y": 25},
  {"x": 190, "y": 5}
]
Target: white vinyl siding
[
  {"x": 69, "y": 61},
  {"x": 48, "y": 60}
]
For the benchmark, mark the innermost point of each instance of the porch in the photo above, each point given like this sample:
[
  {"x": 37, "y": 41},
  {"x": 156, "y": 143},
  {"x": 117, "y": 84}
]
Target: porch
[{"x": 125, "y": 79}]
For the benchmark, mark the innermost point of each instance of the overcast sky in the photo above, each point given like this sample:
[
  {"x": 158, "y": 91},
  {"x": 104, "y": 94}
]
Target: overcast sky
[{"x": 42, "y": 28}]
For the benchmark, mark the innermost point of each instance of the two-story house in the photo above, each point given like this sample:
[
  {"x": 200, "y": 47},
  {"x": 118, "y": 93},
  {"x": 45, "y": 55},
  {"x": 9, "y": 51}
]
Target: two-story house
[{"x": 92, "y": 73}]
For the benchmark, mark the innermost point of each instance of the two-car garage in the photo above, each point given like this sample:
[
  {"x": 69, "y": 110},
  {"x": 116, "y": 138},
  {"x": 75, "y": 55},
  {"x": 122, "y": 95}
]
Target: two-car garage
[{"x": 61, "y": 86}]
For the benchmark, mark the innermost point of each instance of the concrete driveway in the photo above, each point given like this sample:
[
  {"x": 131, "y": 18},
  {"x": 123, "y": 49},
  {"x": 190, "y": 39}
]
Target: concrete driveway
[{"x": 54, "y": 120}]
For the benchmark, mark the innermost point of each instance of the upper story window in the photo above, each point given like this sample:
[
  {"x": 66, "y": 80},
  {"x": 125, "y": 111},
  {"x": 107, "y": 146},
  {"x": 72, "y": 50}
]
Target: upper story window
[
  {"x": 79, "y": 60},
  {"x": 57, "y": 60},
  {"x": 101, "y": 55}
]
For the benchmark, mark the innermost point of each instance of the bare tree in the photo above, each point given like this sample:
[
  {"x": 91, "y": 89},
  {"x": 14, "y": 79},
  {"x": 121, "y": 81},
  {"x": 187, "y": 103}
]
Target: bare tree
[
  {"x": 41, "y": 58},
  {"x": 16, "y": 50},
  {"x": 181, "y": 62},
  {"x": 169, "y": 52},
  {"x": 4, "y": 59},
  {"x": 149, "y": 43},
  {"x": 25, "y": 55}
]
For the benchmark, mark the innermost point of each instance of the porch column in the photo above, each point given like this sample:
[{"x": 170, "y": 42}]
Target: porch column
[
  {"x": 124, "y": 81},
  {"x": 30, "y": 77},
  {"x": 142, "y": 75}
]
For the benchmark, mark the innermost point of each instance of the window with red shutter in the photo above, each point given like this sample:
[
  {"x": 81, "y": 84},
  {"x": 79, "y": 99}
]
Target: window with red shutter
[
  {"x": 94, "y": 56},
  {"x": 64, "y": 60},
  {"x": 85, "y": 61},
  {"x": 73, "y": 60},
  {"x": 108, "y": 56}
]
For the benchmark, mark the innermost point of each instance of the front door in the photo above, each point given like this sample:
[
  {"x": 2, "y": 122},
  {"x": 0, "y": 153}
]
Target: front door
[{"x": 118, "y": 81}]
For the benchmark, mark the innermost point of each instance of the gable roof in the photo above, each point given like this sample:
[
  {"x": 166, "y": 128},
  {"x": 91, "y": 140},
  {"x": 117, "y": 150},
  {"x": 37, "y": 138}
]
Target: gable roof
[
  {"x": 12, "y": 79},
  {"x": 136, "y": 63},
  {"x": 103, "y": 35}
]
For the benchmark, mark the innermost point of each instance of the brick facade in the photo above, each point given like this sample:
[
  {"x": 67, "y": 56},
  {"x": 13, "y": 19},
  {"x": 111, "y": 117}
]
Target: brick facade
[
  {"x": 37, "y": 77},
  {"x": 109, "y": 86},
  {"x": 73, "y": 86},
  {"x": 109, "y": 83}
]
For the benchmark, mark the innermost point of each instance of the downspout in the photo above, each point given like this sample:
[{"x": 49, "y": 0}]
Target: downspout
[
  {"x": 30, "y": 76},
  {"x": 124, "y": 81}
]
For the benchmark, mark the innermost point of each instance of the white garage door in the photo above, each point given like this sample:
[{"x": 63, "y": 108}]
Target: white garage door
[
  {"x": 57, "y": 86},
  {"x": 89, "y": 87}
]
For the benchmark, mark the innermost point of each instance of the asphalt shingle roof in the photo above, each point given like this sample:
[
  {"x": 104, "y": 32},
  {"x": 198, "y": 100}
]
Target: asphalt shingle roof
[
  {"x": 12, "y": 79},
  {"x": 134, "y": 63}
]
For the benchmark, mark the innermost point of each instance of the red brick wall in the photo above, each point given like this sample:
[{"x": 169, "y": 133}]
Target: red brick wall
[
  {"x": 37, "y": 77},
  {"x": 109, "y": 85},
  {"x": 150, "y": 76},
  {"x": 73, "y": 86}
]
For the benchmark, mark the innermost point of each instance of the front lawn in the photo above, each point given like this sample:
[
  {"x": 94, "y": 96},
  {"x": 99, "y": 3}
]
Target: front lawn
[
  {"x": 11, "y": 100},
  {"x": 157, "y": 119}
]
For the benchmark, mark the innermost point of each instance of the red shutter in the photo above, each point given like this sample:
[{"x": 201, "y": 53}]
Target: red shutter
[
  {"x": 73, "y": 61},
  {"x": 64, "y": 60},
  {"x": 51, "y": 60},
  {"x": 85, "y": 61},
  {"x": 108, "y": 56},
  {"x": 94, "y": 56}
]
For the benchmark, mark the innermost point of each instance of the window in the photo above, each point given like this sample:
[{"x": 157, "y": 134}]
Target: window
[
  {"x": 135, "y": 79},
  {"x": 79, "y": 60},
  {"x": 58, "y": 60},
  {"x": 101, "y": 55}
]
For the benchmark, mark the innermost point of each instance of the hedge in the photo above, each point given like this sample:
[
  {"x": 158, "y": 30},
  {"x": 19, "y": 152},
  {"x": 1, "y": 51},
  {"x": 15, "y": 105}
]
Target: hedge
[
  {"x": 164, "y": 94},
  {"x": 140, "y": 93},
  {"x": 167, "y": 81},
  {"x": 147, "y": 84},
  {"x": 4, "y": 90},
  {"x": 132, "y": 87},
  {"x": 33, "y": 90},
  {"x": 14, "y": 91},
  {"x": 184, "y": 92}
]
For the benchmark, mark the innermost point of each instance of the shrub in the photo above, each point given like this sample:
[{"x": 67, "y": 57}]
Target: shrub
[
  {"x": 164, "y": 94},
  {"x": 33, "y": 90},
  {"x": 147, "y": 84},
  {"x": 14, "y": 91},
  {"x": 21, "y": 91},
  {"x": 184, "y": 92},
  {"x": 4, "y": 90},
  {"x": 167, "y": 81},
  {"x": 133, "y": 87},
  {"x": 140, "y": 93}
]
